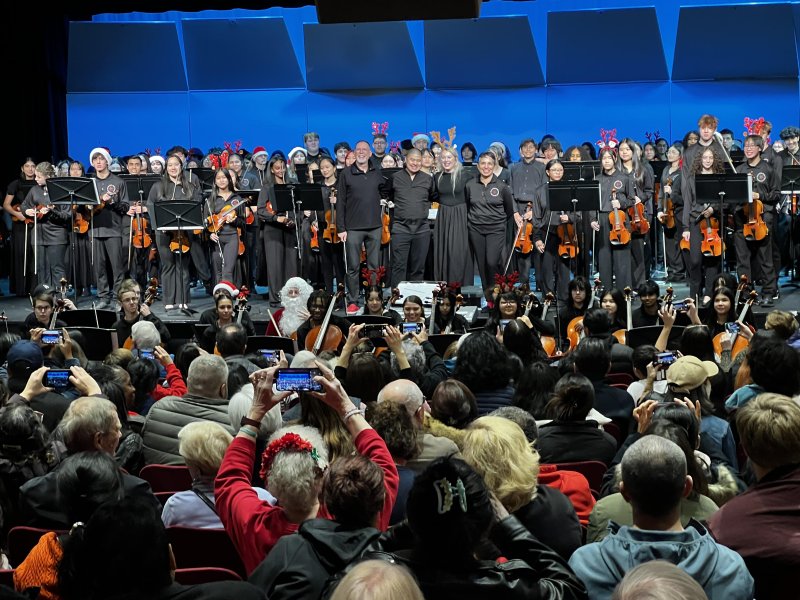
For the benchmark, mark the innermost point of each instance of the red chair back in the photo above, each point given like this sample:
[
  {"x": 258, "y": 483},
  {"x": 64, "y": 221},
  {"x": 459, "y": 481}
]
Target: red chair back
[
  {"x": 625, "y": 378},
  {"x": 195, "y": 547},
  {"x": 614, "y": 431},
  {"x": 167, "y": 478},
  {"x": 21, "y": 541},
  {"x": 204, "y": 575},
  {"x": 593, "y": 470}
]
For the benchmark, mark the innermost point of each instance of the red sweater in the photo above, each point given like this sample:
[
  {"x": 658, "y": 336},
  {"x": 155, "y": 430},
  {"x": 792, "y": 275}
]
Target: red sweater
[
  {"x": 175, "y": 387},
  {"x": 254, "y": 525},
  {"x": 573, "y": 485}
]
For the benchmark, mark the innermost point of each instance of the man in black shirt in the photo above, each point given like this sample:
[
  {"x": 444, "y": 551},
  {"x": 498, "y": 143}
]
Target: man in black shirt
[
  {"x": 358, "y": 217},
  {"x": 527, "y": 176},
  {"x": 411, "y": 191}
]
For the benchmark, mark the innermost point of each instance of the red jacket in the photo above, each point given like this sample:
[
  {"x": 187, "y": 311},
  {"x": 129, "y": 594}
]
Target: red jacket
[
  {"x": 254, "y": 525},
  {"x": 176, "y": 386},
  {"x": 573, "y": 485}
]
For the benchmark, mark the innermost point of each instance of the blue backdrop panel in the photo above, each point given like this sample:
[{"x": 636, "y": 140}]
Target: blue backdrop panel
[
  {"x": 732, "y": 101},
  {"x": 99, "y": 53},
  {"x": 270, "y": 119},
  {"x": 576, "y": 113},
  {"x": 222, "y": 54},
  {"x": 580, "y": 47},
  {"x": 710, "y": 43},
  {"x": 486, "y": 116},
  {"x": 520, "y": 63},
  {"x": 349, "y": 116},
  {"x": 126, "y": 123},
  {"x": 360, "y": 56}
]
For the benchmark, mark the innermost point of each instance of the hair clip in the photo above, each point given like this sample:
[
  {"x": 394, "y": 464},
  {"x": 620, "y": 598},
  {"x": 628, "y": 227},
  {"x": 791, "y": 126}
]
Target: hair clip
[{"x": 444, "y": 495}]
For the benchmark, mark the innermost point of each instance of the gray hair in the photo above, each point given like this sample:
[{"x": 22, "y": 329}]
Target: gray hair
[
  {"x": 654, "y": 475},
  {"x": 658, "y": 580},
  {"x": 416, "y": 359},
  {"x": 84, "y": 418},
  {"x": 145, "y": 335},
  {"x": 304, "y": 360},
  {"x": 521, "y": 417},
  {"x": 405, "y": 392},
  {"x": 295, "y": 478},
  {"x": 207, "y": 374},
  {"x": 239, "y": 405},
  {"x": 202, "y": 444}
]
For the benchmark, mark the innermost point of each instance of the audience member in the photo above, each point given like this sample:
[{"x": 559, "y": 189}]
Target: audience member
[
  {"x": 483, "y": 366},
  {"x": 378, "y": 580},
  {"x": 658, "y": 580}
]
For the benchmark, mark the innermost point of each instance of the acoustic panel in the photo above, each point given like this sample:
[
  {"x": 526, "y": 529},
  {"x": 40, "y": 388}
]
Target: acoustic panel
[
  {"x": 360, "y": 11},
  {"x": 126, "y": 123},
  {"x": 360, "y": 56},
  {"x": 240, "y": 54},
  {"x": 605, "y": 46},
  {"x": 519, "y": 67},
  {"x": 100, "y": 54},
  {"x": 755, "y": 41}
]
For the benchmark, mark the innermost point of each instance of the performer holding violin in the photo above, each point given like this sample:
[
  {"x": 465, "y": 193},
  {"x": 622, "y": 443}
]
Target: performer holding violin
[
  {"x": 642, "y": 180},
  {"x": 107, "y": 224},
  {"x": 612, "y": 240},
  {"x": 555, "y": 239},
  {"x": 20, "y": 279},
  {"x": 50, "y": 228},
  {"x": 331, "y": 248},
  {"x": 173, "y": 246},
  {"x": 670, "y": 214},
  {"x": 755, "y": 221},
  {"x": 225, "y": 225},
  {"x": 527, "y": 177},
  {"x": 322, "y": 322}
]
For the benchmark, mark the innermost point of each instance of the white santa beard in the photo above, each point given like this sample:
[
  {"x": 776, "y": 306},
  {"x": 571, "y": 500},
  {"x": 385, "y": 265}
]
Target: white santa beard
[{"x": 291, "y": 319}]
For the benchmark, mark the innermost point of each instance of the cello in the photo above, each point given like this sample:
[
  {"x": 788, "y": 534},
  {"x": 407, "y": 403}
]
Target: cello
[
  {"x": 619, "y": 234},
  {"x": 620, "y": 333},
  {"x": 754, "y": 229},
  {"x": 575, "y": 326},
  {"x": 326, "y": 336},
  {"x": 738, "y": 342},
  {"x": 548, "y": 341}
]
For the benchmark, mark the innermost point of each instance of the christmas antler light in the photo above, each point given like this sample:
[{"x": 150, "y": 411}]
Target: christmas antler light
[
  {"x": 380, "y": 128},
  {"x": 608, "y": 139}
]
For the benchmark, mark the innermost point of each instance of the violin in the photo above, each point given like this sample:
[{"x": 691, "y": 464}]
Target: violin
[
  {"x": 524, "y": 243},
  {"x": 743, "y": 286},
  {"x": 139, "y": 236},
  {"x": 755, "y": 229},
  {"x": 567, "y": 240},
  {"x": 386, "y": 220},
  {"x": 107, "y": 198},
  {"x": 217, "y": 221},
  {"x": 639, "y": 222},
  {"x": 331, "y": 234},
  {"x": 619, "y": 234},
  {"x": 241, "y": 248},
  {"x": 326, "y": 336},
  {"x": 712, "y": 244},
  {"x": 620, "y": 333},
  {"x": 738, "y": 342},
  {"x": 179, "y": 242},
  {"x": 668, "y": 218}
]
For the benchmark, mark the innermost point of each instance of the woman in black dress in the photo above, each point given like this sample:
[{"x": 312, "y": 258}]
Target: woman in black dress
[
  {"x": 20, "y": 281},
  {"x": 452, "y": 260}
]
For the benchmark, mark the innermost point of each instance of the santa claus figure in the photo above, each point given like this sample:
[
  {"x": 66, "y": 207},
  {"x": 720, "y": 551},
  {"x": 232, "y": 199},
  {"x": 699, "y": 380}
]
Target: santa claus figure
[{"x": 294, "y": 297}]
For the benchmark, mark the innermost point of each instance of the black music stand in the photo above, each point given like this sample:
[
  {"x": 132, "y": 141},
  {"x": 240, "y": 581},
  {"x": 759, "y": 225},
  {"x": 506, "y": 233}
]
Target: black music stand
[
  {"x": 297, "y": 197},
  {"x": 729, "y": 188},
  {"x": 790, "y": 186},
  {"x": 205, "y": 177},
  {"x": 138, "y": 186},
  {"x": 585, "y": 170},
  {"x": 179, "y": 215},
  {"x": 69, "y": 191}
]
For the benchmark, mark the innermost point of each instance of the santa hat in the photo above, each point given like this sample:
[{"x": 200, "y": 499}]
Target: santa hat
[
  {"x": 295, "y": 150},
  {"x": 102, "y": 151},
  {"x": 157, "y": 158},
  {"x": 420, "y": 136},
  {"x": 226, "y": 286},
  {"x": 259, "y": 151}
]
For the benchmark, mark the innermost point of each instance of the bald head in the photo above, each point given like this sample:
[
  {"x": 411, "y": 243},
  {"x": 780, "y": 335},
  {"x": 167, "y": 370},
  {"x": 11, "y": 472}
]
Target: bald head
[
  {"x": 405, "y": 392},
  {"x": 654, "y": 475}
]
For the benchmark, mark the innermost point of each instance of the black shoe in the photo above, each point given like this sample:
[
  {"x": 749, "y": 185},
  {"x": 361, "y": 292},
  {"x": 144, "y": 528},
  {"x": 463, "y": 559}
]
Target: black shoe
[
  {"x": 766, "y": 300},
  {"x": 776, "y": 296}
]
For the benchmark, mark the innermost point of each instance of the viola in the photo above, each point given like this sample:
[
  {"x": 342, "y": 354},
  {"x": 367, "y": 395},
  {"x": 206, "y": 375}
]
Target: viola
[
  {"x": 712, "y": 244},
  {"x": 619, "y": 234},
  {"x": 639, "y": 222},
  {"x": 567, "y": 240},
  {"x": 331, "y": 234},
  {"x": 738, "y": 342},
  {"x": 326, "y": 336},
  {"x": 755, "y": 229},
  {"x": 524, "y": 243},
  {"x": 179, "y": 242}
]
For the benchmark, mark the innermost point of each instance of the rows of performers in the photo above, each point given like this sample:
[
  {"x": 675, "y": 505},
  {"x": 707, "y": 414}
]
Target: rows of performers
[{"x": 442, "y": 215}]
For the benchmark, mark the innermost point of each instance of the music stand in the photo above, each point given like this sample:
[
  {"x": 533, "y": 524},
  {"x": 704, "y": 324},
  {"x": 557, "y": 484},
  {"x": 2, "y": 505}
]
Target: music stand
[
  {"x": 70, "y": 191},
  {"x": 729, "y": 188},
  {"x": 138, "y": 186},
  {"x": 790, "y": 186},
  {"x": 585, "y": 170},
  {"x": 205, "y": 176},
  {"x": 297, "y": 197},
  {"x": 179, "y": 215}
]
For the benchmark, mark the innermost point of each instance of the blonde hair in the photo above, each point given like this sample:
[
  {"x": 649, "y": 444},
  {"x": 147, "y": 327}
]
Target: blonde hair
[
  {"x": 781, "y": 322},
  {"x": 499, "y": 451},
  {"x": 203, "y": 444},
  {"x": 768, "y": 427},
  {"x": 378, "y": 580},
  {"x": 658, "y": 580}
]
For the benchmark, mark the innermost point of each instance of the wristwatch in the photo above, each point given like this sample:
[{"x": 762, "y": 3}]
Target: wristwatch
[{"x": 251, "y": 422}]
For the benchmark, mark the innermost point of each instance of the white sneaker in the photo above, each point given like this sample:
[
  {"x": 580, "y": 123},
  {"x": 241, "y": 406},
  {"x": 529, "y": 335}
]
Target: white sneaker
[{"x": 169, "y": 306}]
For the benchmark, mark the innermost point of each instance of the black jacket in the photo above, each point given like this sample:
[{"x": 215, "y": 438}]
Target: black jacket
[
  {"x": 299, "y": 565},
  {"x": 574, "y": 441},
  {"x": 532, "y": 570}
]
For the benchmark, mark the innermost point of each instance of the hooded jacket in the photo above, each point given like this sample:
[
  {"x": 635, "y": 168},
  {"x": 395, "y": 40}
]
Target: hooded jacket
[
  {"x": 300, "y": 565},
  {"x": 719, "y": 570}
]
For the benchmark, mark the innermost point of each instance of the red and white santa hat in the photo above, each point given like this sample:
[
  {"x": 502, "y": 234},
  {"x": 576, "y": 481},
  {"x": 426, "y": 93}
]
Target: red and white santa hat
[
  {"x": 99, "y": 150},
  {"x": 226, "y": 286},
  {"x": 258, "y": 151}
]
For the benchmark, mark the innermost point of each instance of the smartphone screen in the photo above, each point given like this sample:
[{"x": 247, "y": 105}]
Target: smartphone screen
[
  {"x": 732, "y": 328},
  {"x": 56, "y": 378},
  {"x": 297, "y": 380},
  {"x": 666, "y": 358},
  {"x": 51, "y": 336},
  {"x": 679, "y": 306},
  {"x": 412, "y": 327},
  {"x": 374, "y": 331},
  {"x": 147, "y": 353},
  {"x": 271, "y": 356}
]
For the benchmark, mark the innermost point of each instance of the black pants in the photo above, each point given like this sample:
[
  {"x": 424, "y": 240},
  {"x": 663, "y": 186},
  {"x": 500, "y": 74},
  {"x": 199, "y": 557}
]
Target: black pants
[
  {"x": 613, "y": 262},
  {"x": 108, "y": 257},
  {"x": 672, "y": 248},
  {"x": 371, "y": 239},
  {"x": 229, "y": 245},
  {"x": 174, "y": 272},
  {"x": 702, "y": 270},
  {"x": 332, "y": 256},
  {"x": 639, "y": 264},
  {"x": 280, "y": 250},
  {"x": 551, "y": 267},
  {"x": 410, "y": 243},
  {"x": 761, "y": 250},
  {"x": 488, "y": 247},
  {"x": 51, "y": 264}
]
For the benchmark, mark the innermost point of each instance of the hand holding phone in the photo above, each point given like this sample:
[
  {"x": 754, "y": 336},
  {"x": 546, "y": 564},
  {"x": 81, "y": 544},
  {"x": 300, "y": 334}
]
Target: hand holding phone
[
  {"x": 297, "y": 380},
  {"x": 665, "y": 359},
  {"x": 147, "y": 353},
  {"x": 372, "y": 331},
  {"x": 271, "y": 356},
  {"x": 409, "y": 328},
  {"x": 58, "y": 379},
  {"x": 52, "y": 337}
]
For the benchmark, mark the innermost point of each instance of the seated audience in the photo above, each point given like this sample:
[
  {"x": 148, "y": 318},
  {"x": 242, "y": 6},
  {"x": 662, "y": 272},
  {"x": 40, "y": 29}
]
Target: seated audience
[
  {"x": 231, "y": 343},
  {"x": 483, "y": 366},
  {"x": 593, "y": 360},
  {"x": 377, "y": 580},
  {"x": 658, "y": 580},
  {"x": 145, "y": 375}
]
